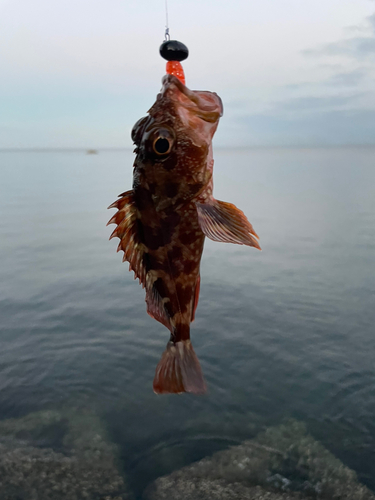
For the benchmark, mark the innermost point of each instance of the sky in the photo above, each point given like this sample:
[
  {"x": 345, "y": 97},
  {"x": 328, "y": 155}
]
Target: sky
[{"x": 80, "y": 73}]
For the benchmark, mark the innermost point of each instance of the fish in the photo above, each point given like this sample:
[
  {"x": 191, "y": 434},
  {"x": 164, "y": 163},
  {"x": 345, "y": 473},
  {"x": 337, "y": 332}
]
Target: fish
[{"x": 162, "y": 222}]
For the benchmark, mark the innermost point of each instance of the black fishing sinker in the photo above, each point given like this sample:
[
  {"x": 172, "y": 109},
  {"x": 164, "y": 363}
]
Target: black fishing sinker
[{"x": 172, "y": 50}]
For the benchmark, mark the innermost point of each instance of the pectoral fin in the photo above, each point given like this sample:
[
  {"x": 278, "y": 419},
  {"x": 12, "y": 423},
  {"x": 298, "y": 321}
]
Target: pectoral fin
[{"x": 221, "y": 221}]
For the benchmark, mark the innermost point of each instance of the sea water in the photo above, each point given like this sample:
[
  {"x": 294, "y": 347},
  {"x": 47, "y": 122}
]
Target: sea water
[{"x": 286, "y": 332}]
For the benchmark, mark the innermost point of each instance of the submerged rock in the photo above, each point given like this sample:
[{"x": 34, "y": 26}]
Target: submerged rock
[
  {"x": 53, "y": 455},
  {"x": 282, "y": 463}
]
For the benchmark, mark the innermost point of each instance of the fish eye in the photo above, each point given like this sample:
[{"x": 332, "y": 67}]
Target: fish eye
[
  {"x": 162, "y": 141},
  {"x": 162, "y": 145}
]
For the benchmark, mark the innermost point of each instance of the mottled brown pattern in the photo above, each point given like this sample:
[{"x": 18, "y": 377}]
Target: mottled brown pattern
[
  {"x": 163, "y": 221},
  {"x": 171, "y": 189}
]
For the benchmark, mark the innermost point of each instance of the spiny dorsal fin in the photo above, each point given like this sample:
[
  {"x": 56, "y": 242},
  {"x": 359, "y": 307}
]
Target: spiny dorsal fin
[
  {"x": 221, "y": 221},
  {"x": 126, "y": 230}
]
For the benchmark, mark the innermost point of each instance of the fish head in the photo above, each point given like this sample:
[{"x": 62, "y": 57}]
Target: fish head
[
  {"x": 177, "y": 133},
  {"x": 197, "y": 112}
]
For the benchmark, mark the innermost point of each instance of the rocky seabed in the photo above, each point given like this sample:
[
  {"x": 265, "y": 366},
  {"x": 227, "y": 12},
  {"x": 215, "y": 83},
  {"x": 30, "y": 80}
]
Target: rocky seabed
[{"x": 67, "y": 455}]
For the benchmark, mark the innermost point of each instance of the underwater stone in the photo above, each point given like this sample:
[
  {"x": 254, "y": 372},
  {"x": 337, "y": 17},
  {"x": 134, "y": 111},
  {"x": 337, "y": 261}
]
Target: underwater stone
[
  {"x": 282, "y": 463},
  {"x": 59, "y": 455}
]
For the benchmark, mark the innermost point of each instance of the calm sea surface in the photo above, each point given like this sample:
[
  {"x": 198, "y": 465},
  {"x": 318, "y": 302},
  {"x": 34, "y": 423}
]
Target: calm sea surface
[{"x": 286, "y": 332}]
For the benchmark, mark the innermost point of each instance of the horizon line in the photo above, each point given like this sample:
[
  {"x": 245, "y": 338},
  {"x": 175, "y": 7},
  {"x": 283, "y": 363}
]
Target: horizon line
[{"x": 124, "y": 148}]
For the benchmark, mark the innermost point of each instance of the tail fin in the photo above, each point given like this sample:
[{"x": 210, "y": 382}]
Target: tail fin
[{"x": 179, "y": 370}]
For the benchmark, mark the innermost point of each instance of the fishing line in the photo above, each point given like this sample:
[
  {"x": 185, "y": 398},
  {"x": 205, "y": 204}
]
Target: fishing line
[
  {"x": 167, "y": 37},
  {"x": 173, "y": 51}
]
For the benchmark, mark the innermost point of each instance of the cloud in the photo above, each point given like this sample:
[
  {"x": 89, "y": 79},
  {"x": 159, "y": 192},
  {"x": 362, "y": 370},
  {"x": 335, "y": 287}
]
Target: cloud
[
  {"x": 352, "y": 78},
  {"x": 348, "y": 79},
  {"x": 303, "y": 121},
  {"x": 367, "y": 25},
  {"x": 315, "y": 103},
  {"x": 358, "y": 47},
  {"x": 340, "y": 127},
  {"x": 355, "y": 47},
  {"x": 371, "y": 21},
  {"x": 329, "y": 111}
]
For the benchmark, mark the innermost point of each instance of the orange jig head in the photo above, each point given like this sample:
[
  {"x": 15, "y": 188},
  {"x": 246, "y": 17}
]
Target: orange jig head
[{"x": 175, "y": 68}]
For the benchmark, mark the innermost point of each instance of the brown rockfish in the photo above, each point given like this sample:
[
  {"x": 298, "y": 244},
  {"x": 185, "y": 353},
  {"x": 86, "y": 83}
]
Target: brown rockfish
[{"x": 162, "y": 222}]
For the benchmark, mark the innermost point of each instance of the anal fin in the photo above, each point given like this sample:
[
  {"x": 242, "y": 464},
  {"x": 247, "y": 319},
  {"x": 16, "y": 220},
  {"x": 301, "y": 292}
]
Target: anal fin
[
  {"x": 196, "y": 297},
  {"x": 221, "y": 221},
  {"x": 155, "y": 305}
]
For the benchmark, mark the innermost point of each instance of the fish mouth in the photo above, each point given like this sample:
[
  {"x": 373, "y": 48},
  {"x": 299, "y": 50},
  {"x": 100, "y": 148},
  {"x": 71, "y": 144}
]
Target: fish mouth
[{"x": 203, "y": 104}]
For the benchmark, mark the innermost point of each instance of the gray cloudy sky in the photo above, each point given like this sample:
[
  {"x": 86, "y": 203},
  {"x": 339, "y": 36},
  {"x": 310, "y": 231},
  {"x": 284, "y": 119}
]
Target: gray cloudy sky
[{"x": 79, "y": 73}]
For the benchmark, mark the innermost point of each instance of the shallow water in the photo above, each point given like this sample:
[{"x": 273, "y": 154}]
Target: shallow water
[{"x": 288, "y": 331}]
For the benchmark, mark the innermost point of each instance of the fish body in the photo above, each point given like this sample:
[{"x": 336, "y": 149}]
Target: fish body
[{"x": 163, "y": 221}]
